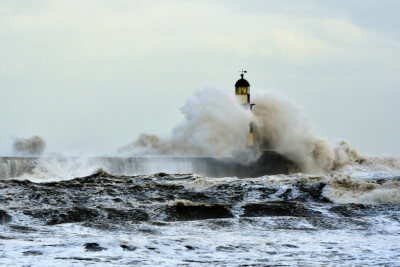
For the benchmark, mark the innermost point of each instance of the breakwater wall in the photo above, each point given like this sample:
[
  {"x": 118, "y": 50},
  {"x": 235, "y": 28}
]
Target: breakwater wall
[{"x": 270, "y": 162}]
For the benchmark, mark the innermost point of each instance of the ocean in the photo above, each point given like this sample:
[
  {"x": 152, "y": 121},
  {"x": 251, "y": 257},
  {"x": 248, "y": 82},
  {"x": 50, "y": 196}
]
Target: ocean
[
  {"x": 167, "y": 201},
  {"x": 76, "y": 212}
]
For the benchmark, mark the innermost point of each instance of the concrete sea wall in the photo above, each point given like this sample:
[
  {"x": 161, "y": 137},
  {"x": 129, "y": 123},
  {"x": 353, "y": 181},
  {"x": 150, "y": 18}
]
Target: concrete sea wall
[{"x": 269, "y": 163}]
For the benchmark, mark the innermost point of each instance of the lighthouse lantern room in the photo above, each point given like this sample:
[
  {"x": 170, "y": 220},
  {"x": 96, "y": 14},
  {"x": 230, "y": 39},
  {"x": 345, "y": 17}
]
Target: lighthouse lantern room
[{"x": 242, "y": 89}]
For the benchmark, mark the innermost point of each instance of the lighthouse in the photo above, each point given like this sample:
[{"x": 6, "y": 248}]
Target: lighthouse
[{"x": 242, "y": 92}]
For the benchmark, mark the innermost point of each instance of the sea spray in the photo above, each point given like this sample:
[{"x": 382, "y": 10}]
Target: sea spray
[
  {"x": 344, "y": 154},
  {"x": 217, "y": 125},
  {"x": 32, "y": 146},
  {"x": 281, "y": 126}
]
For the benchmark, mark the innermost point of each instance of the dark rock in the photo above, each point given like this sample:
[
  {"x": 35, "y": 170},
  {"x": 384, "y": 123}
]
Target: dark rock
[
  {"x": 278, "y": 208},
  {"x": 314, "y": 191},
  {"x": 93, "y": 247},
  {"x": 23, "y": 229},
  {"x": 161, "y": 174},
  {"x": 4, "y": 217},
  {"x": 63, "y": 215},
  {"x": 182, "y": 212}
]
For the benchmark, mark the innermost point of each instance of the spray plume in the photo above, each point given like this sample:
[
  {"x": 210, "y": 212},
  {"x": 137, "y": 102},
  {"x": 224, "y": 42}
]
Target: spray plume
[
  {"x": 33, "y": 146},
  {"x": 281, "y": 126},
  {"x": 217, "y": 125}
]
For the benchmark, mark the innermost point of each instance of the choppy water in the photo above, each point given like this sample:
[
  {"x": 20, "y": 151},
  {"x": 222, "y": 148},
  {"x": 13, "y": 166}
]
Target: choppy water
[{"x": 351, "y": 217}]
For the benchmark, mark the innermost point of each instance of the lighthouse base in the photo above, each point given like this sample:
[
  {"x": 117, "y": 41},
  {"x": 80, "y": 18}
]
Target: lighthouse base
[{"x": 268, "y": 163}]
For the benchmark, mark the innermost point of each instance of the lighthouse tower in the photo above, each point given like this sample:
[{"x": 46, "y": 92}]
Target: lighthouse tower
[{"x": 242, "y": 91}]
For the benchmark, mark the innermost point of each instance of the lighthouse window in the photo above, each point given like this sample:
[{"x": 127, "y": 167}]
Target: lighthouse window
[{"x": 242, "y": 90}]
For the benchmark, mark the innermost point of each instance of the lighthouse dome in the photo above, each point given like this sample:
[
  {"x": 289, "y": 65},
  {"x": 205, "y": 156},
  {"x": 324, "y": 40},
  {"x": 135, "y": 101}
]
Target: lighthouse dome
[{"x": 242, "y": 83}]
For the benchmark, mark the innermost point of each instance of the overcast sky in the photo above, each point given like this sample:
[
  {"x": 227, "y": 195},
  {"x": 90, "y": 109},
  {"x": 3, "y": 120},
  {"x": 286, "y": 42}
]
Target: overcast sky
[{"x": 90, "y": 75}]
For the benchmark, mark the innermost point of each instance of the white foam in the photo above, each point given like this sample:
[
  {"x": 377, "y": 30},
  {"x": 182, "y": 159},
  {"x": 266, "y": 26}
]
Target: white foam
[{"x": 344, "y": 189}]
